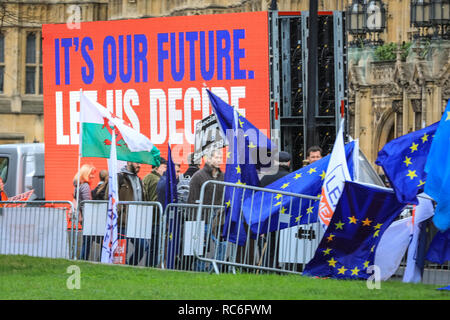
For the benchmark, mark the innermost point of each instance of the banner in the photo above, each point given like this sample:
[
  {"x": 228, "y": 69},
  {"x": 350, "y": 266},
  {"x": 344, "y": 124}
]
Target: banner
[
  {"x": 154, "y": 74},
  {"x": 207, "y": 137}
]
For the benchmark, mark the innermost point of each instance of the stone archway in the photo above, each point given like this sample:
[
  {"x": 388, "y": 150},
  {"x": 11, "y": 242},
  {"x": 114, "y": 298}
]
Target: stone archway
[{"x": 385, "y": 130}]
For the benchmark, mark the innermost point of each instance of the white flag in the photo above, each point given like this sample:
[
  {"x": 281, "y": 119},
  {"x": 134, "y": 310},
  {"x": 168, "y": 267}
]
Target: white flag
[
  {"x": 336, "y": 175},
  {"x": 423, "y": 211},
  {"x": 110, "y": 239}
]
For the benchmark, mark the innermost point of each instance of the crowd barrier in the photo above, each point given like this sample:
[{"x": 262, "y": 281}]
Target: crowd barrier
[
  {"x": 269, "y": 242},
  {"x": 37, "y": 228},
  {"x": 139, "y": 229},
  {"x": 188, "y": 237}
]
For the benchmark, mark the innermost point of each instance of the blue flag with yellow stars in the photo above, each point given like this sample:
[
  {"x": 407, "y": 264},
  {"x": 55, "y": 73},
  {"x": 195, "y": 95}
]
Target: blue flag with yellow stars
[
  {"x": 403, "y": 161},
  {"x": 348, "y": 246},
  {"x": 173, "y": 242},
  {"x": 438, "y": 172},
  {"x": 266, "y": 212},
  {"x": 247, "y": 152}
]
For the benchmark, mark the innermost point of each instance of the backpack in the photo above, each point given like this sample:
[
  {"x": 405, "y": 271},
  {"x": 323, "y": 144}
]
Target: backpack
[{"x": 183, "y": 188}]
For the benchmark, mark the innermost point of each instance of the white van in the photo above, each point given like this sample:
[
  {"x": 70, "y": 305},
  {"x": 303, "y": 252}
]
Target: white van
[{"x": 22, "y": 169}]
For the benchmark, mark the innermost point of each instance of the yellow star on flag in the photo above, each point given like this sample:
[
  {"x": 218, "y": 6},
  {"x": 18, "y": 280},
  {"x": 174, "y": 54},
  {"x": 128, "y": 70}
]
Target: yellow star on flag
[
  {"x": 251, "y": 145},
  {"x": 298, "y": 219},
  {"x": 355, "y": 271},
  {"x": 342, "y": 270},
  {"x": 310, "y": 171},
  {"x": 332, "y": 262},
  {"x": 330, "y": 237},
  {"x": 284, "y": 186},
  {"x": 241, "y": 123},
  {"x": 228, "y": 203},
  {"x": 424, "y": 138},
  {"x": 367, "y": 222},
  {"x": 170, "y": 236},
  {"x": 407, "y": 161},
  {"x": 352, "y": 219},
  {"x": 278, "y": 196},
  {"x": 448, "y": 116},
  {"x": 278, "y": 203},
  {"x": 378, "y": 226},
  {"x": 339, "y": 225},
  {"x": 366, "y": 264},
  {"x": 323, "y": 174},
  {"x": 238, "y": 169},
  {"x": 283, "y": 210},
  {"x": 421, "y": 183},
  {"x": 414, "y": 147},
  {"x": 327, "y": 251},
  {"x": 297, "y": 175},
  {"x": 412, "y": 174},
  {"x": 228, "y": 154},
  {"x": 309, "y": 210},
  {"x": 376, "y": 234}
]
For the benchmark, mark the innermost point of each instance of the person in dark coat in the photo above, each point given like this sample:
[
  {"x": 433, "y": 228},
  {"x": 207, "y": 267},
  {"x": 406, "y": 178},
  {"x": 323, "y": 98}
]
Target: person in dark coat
[
  {"x": 193, "y": 167},
  {"x": 210, "y": 171},
  {"x": 99, "y": 191},
  {"x": 283, "y": 163},
  {"x": 284, "y": 168}
]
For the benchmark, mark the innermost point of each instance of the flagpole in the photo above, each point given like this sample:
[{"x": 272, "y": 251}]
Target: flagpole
[{"x": 77, "y": 197}]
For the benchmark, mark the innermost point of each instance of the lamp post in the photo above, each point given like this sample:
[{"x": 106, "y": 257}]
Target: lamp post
[
  {"x": 440, "y": 17},
  {"x": 420, "y": 16},
  {"x": 366, "y": 17}
]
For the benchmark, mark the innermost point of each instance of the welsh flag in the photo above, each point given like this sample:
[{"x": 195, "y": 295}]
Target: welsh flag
[{"x": 96, "y": 135}]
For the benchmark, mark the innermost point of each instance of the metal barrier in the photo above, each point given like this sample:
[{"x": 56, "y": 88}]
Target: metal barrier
[
  {"x": 139, "y": 228},
  {"x": 37, "y": 228},
  {"x": 179, "y": 236},
  {"x": 271, "y": 244}
]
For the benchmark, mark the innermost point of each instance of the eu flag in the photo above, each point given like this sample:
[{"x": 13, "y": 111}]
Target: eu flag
[
  {"x": 348, "y": 246},
  {"x": 438, "y": 171},
  {"x": 247, "y": 152},
  {"x": 266, "y": 212},
  {"x": 439, "y": 250},
  {"x": 173, "y": 242},
  {"x": 403, "y": 161}
]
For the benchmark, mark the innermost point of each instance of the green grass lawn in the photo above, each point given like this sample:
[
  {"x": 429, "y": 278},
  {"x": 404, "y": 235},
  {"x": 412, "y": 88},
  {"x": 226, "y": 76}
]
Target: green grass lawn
[{"x": 32, "y": 278}]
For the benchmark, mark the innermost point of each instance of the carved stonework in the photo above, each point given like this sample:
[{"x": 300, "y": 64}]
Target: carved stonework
[{"x": 397, "y": 106}]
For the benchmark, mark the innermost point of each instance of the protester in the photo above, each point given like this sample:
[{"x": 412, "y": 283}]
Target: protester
[
  {"x": 3, "y": 196},
  {"x": 210, "y": 171},
  {"x": 162, "y": 185},
  {"x": 150, "y": 181},
  {"x": 193, "y": 167},
  {"x": 313, "y": 154},
  {"x": 99, "y": 191},
  {"x": 83, "y": 178},
  {"x": 284, "y": 167}
]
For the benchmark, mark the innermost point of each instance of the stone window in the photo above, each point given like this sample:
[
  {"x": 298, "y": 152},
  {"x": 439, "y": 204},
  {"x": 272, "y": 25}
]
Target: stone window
[
  {"x": 2, "y": 62},
  {"x": 33, "y": 63}
]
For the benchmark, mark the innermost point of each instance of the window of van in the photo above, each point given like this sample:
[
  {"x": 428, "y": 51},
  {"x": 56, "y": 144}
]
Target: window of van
[{"x": 4, "y": 164}]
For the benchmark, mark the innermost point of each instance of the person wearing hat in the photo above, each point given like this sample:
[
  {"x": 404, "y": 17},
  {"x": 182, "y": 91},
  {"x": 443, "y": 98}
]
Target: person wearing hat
[
  {"x": 150, "y": 181},
  {"x": 284, "y": 168}
]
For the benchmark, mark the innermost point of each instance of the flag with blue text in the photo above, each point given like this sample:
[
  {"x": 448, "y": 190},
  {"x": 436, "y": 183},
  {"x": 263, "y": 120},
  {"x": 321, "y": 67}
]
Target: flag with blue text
[
  {"x": 336, "y": 175},
  {"x": 403, "y": 161},
  {"x": 247, "y": 151},
  {"x": 348, "y": 246},
  {"x": 438, "y": 171},
  {"x": 110, "y": 240},
  {"x": 266, "y": 212}
]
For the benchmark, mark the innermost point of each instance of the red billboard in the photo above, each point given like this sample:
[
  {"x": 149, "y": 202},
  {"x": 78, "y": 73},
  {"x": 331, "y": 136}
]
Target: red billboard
[{"x": 153, "y": 73}]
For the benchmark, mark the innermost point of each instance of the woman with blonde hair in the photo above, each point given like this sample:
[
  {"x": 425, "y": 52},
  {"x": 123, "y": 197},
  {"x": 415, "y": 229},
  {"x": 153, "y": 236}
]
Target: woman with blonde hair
[{"x": 85, "y": 177}]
